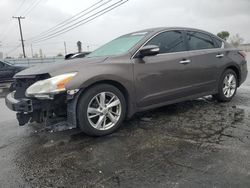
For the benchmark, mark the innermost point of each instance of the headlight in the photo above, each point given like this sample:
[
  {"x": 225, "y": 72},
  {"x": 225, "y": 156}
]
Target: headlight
[{"x": 53, "y": 85}]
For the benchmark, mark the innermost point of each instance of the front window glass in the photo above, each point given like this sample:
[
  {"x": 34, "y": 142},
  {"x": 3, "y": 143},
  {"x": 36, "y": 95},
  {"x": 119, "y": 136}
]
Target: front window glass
[
  {"x": 199, "y": 41},
  {"x": 118, "y": 46},
  {"x": 170, "y": 41}
]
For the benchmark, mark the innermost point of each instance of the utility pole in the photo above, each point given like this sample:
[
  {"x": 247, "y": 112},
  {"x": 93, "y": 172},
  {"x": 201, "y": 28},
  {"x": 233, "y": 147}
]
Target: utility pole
[
  {"x": 32, "y": 54},
  {"x": 1, "y": 53},
  {"x": 20, "y": 27},
  {"x": 65, "y": 48},
  {"x": 79, "y": 46}
]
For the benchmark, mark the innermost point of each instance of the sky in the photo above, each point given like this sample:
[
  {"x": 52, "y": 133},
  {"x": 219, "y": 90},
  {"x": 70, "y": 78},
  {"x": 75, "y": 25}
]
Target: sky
[{"x": 210, "y": 15}]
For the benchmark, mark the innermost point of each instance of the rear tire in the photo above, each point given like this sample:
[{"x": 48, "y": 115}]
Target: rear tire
[
  {"x": 227, "y": 86},
  {"x": 101, "y": 110}
]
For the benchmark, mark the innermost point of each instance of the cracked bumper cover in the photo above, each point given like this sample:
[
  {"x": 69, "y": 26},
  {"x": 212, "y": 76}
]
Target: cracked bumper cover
[
  {"x": 29, "y": 109},
  {"x": 24, "y": 105}
]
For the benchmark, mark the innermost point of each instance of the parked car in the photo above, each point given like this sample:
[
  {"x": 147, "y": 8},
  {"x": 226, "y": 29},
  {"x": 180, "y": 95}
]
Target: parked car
[
  {"x": 76, "y": 55},
  {"x": 135, "y": 72},
  {"x": 8, "y": 70}
]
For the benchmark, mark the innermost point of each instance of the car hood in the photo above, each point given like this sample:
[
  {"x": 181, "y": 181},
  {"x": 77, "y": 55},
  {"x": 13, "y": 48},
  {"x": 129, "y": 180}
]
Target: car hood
[{"x": 54, "y": 69}]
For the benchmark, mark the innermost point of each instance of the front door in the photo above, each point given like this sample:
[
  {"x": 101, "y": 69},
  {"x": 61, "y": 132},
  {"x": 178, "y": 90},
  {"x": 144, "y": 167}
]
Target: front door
[{"x": 166, "y": 76}]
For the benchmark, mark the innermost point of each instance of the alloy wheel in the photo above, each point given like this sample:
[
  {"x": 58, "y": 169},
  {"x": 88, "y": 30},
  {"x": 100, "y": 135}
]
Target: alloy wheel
[
  {"x": 229, "y": 85},
  {"x": 104, "y": 110}
]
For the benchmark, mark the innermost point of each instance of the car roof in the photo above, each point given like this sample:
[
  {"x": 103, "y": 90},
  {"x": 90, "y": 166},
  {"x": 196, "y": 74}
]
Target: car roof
[
  {"x": 158, "y": 29},
  {"x": 153, "y": 31}
]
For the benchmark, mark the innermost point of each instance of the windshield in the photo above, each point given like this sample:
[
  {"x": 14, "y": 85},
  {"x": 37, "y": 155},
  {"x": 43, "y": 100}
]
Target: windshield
[{"x": 118, "y": 46}]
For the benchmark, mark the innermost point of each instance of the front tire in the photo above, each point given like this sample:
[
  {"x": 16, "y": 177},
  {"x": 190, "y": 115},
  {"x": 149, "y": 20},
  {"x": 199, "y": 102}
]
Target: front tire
[
  {"x": 101, "y": 110},
  {"x": 227, "y": 86}
]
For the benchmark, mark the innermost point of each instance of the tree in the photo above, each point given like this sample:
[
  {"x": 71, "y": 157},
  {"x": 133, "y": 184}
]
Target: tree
[
  {"x": 224, "y": 35},
  {"x": 59, "y": 55},
  {"x": 236, "y": 40}
]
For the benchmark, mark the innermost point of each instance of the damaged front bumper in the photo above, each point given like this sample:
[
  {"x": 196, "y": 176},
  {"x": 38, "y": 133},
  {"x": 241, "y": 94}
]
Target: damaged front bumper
[
  {"x": 61, "y": 109},
  {"x": 24, "y": 105}
]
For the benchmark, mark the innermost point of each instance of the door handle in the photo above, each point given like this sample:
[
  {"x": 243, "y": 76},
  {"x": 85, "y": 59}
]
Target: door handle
[
  {"x": 185, "y": 61},
  {"x": 220, "y": 55}
]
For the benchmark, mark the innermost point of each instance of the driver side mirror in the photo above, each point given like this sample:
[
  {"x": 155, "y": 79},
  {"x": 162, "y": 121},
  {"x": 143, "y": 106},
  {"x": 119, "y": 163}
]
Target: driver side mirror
[{"x": 149, "y": 50}]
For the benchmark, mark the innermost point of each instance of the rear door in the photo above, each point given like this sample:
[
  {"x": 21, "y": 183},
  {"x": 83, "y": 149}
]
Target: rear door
[{"x": 204, "y": 55}]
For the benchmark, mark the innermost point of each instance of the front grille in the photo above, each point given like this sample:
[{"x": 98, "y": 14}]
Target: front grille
[{"x": 21, "y": 84}]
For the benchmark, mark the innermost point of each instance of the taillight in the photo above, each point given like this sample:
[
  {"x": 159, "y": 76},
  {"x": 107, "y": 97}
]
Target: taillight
[{"x": 243, "y": 54}]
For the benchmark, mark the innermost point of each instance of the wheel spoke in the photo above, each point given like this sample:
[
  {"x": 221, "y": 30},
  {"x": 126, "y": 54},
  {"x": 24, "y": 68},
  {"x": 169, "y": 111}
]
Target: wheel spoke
[
  {"x": 104, "y": 122},
  {"x": 111, "y": 100},
  {"x": 225, "y": 89},
  {"x": 111, "y": 117},
  {"x": 231, "y": 77},
  {"x": 114, "y": 103},
  {"x": 93, "y": 116},
  {"x": 226, "y": 80},
  {"x": 232, "y": 91},
  {"x": 93, "y": 111},
  {"x": 229, "y": 92},
  {"x": 102, "y": 99},
  {"x": 100, "y": 122},
  {"x": 233, "y": 85},
  {"x": 97, "y": 100},
  {"x": 114, "y": 113}
]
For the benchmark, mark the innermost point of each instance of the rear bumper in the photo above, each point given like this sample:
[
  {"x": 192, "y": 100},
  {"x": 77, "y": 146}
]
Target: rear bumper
[{"x": 244, "y": 72}]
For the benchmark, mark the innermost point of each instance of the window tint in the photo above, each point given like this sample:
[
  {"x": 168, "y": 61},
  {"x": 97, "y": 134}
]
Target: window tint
[
  {"x": 198, "y": 41},
  {"x": 170, "y": 41},
  {"x": 218, "y": 43}
]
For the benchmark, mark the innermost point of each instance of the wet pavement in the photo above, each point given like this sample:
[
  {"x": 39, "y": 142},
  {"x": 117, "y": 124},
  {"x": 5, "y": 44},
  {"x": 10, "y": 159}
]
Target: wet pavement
[{"x": 199, "y": 143}]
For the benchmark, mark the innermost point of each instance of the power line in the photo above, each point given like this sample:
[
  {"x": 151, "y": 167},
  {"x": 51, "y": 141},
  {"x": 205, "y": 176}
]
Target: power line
[
  {"x": 12, "y": 24},
  {"x": 25, "y": 13},
  {"x": 5, "y": 32},
  {"x": 81, "y": 22},
  {"x": 19, "y": 7},
  {"x": 60, "y": 29},
  {"x": 67, "y": 21},
  {"x": 14, "y": 49},
  {"x": 65, "y": 24},
  {"x": 31, "y": 8},
  {"x": 75, "y": 18}
]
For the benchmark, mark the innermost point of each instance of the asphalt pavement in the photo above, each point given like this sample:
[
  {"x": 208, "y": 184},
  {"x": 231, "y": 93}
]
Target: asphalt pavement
[{"x": 198, "y": 143}]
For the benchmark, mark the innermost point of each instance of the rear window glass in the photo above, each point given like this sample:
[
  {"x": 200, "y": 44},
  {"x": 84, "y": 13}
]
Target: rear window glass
[
  {"x": 218, "y": 43},
  {"x": 199, "y": 41}
]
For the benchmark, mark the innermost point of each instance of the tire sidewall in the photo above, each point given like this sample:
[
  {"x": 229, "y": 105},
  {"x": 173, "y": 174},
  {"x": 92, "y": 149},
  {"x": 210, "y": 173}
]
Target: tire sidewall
[{"x": 82, "y": 107}]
